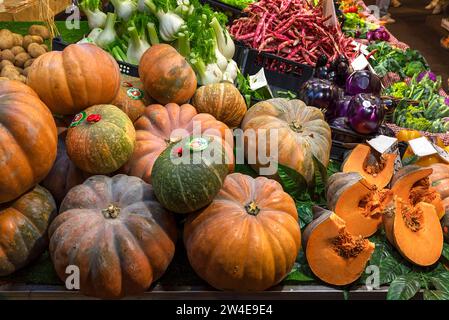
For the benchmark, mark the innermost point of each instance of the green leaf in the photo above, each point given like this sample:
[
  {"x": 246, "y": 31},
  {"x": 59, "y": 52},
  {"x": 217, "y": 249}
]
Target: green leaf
[
  {"x": 292, "y": 182},
  {"x": 445, "y": 252},
  {"x": 440, "y": 281},
  {"x": 435, "y": 295},
  {"x": 245, "y": 169},
  {"x": 305, "y": 212},
  {"x": 297, "y": 275},
  {"x": 404, "y": 287},
  {"x": 320, "y": 179}
]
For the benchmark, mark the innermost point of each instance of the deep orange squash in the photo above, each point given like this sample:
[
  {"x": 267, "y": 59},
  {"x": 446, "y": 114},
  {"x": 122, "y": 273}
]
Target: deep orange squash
[
  {"x": 439, "y": 180},
  {"x": 28, "y": 139},
  {"x": 131, "y": 99},
  {"x": 359, "y": 203},
  {"x": 74, "y": 79},
  {"x": 375, "y": 171},
  {"x": 116, "y": 232},
  {"x": 415, "y": 231},
  {"x": 166, "y": 75},
  {"x": 334, "y": 254},
  {"x": 412, "y": 185},
  {"x": 248, "y": 238},
  {"x": 160, "y": 125},
  {"x": 23, "y": 229},
  {"x": 301, "y": 133}
]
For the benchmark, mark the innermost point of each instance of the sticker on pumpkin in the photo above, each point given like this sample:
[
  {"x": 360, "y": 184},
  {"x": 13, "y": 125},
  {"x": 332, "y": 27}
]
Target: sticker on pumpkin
[
  {"x": 127, "y": 84},
  {"x": 198, "y": 144},
  {"x": 135, "y": 94},
  {"x": 78, "y": 119}
]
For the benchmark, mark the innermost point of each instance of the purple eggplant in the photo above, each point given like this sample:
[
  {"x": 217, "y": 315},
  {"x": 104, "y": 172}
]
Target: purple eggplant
[
  {"x": 365, "y": 113},
  {"x": 319, "y": 93},
  {"x": 363, "y": 81},
  {"x": 341, "y": 106},
  {"x": 340, "y": 123}
]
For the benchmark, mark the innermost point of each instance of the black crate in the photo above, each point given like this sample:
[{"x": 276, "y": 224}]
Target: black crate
[
  {"x": 281, "y": 74},
  {"x": 231, "y": 12}
]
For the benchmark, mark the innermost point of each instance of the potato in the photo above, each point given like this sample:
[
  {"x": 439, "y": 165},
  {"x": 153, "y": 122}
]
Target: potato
[
  {"x": 39, "y": 30},
  {"x": 28, "y": 63},
  {"x": 10, "y": 72},
  {"x": 18, "y": 39},
  {"x": 22, "y": 78},
  {"x": 21, "y": 58},
  {"x": 6, "y": 39},
  {"x": 17, "y": 49},
  {"x": 5, "y": 63},
  {"x": 3, "y": 78},
  {"x": 7, "y": 55},
  {"x": 25, "y": 71},
  {"x": 19, "y": 69},
  {"x": 45, "y": 47},
  {"x": 27, "y": 40},
  {"x": 35, "y": 50}
]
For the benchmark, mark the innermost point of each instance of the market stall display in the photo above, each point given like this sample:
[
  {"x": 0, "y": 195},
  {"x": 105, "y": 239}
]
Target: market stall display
[{"x": 179, "y": 150}]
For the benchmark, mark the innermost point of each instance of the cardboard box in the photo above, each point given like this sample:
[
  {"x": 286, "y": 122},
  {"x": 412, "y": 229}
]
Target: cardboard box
[{"x": 28, "y": 10}]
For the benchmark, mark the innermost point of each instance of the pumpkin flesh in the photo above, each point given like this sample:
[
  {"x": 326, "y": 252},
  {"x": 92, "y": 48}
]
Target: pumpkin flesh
[
  {"x": 247, "y": 239},
  {"x": 335, "y": 255},
  {"x": 378, "y": 173}
]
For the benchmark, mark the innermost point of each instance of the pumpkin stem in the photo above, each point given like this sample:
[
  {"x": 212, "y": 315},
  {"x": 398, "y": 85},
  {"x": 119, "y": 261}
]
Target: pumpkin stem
[
  {"x": 296, "y": 126},
  {"x": 111, "y": 212},
  {"x": 252, "y": 208}
]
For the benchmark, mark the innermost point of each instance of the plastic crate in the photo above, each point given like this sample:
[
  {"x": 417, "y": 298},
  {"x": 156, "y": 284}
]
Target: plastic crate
[
  {"x": 281, "y": 74},
  {"x": 231, "y": 12}
]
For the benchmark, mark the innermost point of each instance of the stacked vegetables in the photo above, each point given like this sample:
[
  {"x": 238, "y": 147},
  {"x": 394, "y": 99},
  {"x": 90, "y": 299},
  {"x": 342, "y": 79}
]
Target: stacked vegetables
[
  {"x": 352, "y": 19},
  {"x": 196, "y": 31},
  {"x": 292, "y": 29}
]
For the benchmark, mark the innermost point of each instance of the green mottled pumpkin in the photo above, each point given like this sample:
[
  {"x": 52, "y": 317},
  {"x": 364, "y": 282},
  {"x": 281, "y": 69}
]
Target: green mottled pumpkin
[
  {"x": 101, "y": 139},
  {"x": 23, "y": 228},
  {"x": 186, "y": 179}
]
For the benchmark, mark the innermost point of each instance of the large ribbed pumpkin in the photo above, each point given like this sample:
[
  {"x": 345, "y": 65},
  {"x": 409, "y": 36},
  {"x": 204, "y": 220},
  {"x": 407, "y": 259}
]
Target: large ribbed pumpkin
[
  {"x": 101, "y": 139},
  {"x": 223, "y": 101},
  {"x": 23, "y": 229},
  {"x": 116, "y": 232},
  {"x": 300, "y": 132},
  {"x": 64, "y": 175},
  {"x": 166, "y": 75},
  {"x": 28, "y": 139},
  {"x": 71, "y": 80},
  {"x": 440, "y": 181},
  {"x": 159, "y": 126},
  {"x": 248, "y": 238}
]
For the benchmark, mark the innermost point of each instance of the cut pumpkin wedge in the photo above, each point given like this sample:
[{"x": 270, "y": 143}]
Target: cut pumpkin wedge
[
  {"x": 375, "y": 171},
  {"x": 359, "y": 203},
  {"x": 415, "y": 231},
  {"x": 412, "y": 185},
  {"x": 334, "y": 255}
]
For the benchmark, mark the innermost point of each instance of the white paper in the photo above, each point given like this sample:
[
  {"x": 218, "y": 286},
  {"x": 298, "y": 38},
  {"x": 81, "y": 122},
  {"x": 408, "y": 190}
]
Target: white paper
[
  {"x": 360, "y": 63},
  {"x": 258, "y": 80},
  {"x": 422, "y": 147},
  {"x": 360, "y": 47},
  {"x": 382, "y": 144}
]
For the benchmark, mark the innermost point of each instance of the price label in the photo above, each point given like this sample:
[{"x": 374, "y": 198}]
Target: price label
[
  {"x": 360, "y": 63},
  {"x": 422, "y": 147},
  {"x": 443, "y": 154},
  {"x": 384, "y": 144}
]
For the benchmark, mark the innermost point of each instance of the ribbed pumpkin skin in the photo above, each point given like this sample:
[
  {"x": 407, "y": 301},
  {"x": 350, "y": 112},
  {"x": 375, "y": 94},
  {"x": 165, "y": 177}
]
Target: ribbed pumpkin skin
[
  {"x": 187, "y": 187},
  {"x": 133, "y": 107},
  {"x": 101, "y": 147},
  {"x": 28, "y": 139},
  {"x": 302, "y": 133},
  {"x": 64, "y": 175},
  {"x": 23, "y": 229},
  {"x": 159, "y": 124},
  {"x": 223, "y": 101},
  {"x": 119, "y": 256},
  {"x": 166, "y": 75},
  {"x": 440, "y": 181},
  {"x": 69, "y": 81},
  {"x": 233, "y": 250}
]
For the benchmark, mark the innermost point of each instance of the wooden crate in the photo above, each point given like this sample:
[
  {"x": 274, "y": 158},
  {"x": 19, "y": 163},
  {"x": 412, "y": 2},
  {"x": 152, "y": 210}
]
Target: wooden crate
[{"x": 28, "y": 10}]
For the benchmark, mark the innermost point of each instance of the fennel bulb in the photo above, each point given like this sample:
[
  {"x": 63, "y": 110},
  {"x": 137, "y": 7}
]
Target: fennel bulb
[
  {"x": 231, "y": 71},
  {"x": 108, "y": 35},
  {"x": 95, "y": 17},
  {"x": 169, "y": 22},
  {"x": 222, "y": 62},
  {"x": 207, "y": 74},
  {"x": 93, "y": 35},
  {"x": 124, "y": 8},
  {"x": 137, "y": 46},
  {"x": 225, "y": 43}
]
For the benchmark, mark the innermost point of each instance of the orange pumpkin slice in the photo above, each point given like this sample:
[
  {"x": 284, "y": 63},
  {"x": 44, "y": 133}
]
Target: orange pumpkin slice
[
  {"x": 334, "y": 254},
  {"x": 412, "y": 185},
  {"x": 376, "y": 172},
  {"x": 357, "y": 202},
  {"x": 415, "y": 231}
]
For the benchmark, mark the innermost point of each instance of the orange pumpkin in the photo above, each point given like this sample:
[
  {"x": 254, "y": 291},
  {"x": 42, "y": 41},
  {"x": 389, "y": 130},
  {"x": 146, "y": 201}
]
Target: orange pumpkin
[
  {"x": 301, "y": 133},
  {"x": 166, "y": 75},
  {"x": 28, "y": 139},
  {"x": 72, "y": 80},
  {"x": 439, "y": 180},
  {"x": 248, "y": 238},
  {"x": 160, "y": 125}
]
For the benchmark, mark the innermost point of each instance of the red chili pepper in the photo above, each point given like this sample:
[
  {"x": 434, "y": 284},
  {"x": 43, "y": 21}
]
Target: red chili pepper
[{"x": 93, "y": 118}]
